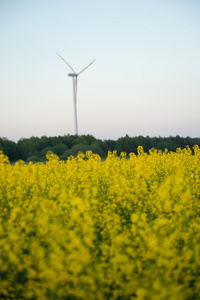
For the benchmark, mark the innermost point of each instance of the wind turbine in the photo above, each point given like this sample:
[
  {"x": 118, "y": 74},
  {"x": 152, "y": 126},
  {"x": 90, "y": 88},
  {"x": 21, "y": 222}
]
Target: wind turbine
[{"x": 74, "y": 76}]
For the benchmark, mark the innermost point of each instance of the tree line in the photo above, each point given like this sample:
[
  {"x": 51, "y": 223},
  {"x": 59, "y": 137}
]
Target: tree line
[{"x": 35, "y": 148}]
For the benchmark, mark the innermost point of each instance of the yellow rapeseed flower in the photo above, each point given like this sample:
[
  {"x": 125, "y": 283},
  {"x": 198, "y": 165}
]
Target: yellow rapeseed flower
[{"x": 123, "y": 228}]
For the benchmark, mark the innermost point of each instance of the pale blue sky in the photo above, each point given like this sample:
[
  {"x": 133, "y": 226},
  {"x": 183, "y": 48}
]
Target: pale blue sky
[{"x": 145, "y": 80}]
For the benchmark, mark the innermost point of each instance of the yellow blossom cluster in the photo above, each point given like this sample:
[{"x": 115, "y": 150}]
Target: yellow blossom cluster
[{"x": 124, "y": 228}]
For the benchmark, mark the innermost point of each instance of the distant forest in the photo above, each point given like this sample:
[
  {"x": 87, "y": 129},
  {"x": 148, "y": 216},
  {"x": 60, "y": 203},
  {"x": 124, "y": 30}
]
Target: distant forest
[{"x": 35, "y": 148}]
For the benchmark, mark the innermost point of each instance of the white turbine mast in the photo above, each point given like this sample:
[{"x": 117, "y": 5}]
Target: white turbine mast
[{"x": 74, "y": 76}]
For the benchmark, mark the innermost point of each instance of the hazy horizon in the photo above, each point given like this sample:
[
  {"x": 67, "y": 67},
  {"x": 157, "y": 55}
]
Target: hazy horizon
[{"x": 114, "y": 139}]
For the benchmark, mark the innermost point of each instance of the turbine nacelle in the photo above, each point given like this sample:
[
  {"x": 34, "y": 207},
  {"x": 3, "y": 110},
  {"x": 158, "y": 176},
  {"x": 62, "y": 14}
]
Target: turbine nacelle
[{"x": 72, "y": 75}]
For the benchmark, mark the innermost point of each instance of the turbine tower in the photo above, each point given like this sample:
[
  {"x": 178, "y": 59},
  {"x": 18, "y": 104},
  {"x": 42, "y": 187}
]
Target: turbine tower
[{"x": 74, "y": 76}]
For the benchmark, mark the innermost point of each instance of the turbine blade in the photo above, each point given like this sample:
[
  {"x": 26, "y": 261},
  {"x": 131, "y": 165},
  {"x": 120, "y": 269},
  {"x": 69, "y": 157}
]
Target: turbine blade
[
  {"x": 66, "y": 62},
  {"x": 86, "y": 67}
]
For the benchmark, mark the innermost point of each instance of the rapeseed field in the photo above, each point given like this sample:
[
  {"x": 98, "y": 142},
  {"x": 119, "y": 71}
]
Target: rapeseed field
[{"x": 123, "y": 228}]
